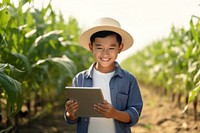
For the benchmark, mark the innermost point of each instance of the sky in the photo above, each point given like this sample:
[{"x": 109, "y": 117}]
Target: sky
[{"x": 145, "y": 20}]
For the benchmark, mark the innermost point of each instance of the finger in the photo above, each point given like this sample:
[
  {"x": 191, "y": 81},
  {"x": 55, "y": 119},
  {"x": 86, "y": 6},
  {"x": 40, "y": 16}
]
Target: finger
[
  {"x": 100, "y": 108},
  {"x": 73, "y": 110},
  {"x": 96, "y": 108},
  {"x": 67, "y": 104},
  {"x": 71, "y": 105},
  {"x": 70, "y": 102}
]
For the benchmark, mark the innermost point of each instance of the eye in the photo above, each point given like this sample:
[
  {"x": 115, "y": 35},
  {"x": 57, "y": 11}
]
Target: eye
[
  {"x": 112, "y": 48},
  {"x": 99, "y": 48}
]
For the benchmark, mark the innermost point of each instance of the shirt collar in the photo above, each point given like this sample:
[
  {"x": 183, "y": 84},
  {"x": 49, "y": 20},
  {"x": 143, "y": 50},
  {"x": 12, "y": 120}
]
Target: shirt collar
[{"x": 118, "y": 70}]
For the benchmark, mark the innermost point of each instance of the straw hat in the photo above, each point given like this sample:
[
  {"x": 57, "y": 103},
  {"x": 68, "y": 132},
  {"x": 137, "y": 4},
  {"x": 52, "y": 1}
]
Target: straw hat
[{"x": 103, "y": 24}]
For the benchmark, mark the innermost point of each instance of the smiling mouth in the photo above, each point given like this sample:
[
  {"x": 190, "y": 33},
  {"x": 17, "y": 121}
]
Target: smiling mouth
[{"x": 105, "y": 60}]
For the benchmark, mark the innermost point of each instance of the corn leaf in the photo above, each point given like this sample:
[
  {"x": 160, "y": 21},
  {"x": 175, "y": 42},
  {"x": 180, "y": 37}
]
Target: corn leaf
[
  {"x": 193, "y": 93},
  {"x": 14, "y": 92}
]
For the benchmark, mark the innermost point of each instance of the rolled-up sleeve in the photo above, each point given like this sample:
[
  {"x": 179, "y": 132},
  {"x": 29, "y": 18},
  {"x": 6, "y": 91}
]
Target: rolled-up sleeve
[
  {"x": 68, "y": 120},
  {"x": 135, "y": 103}
]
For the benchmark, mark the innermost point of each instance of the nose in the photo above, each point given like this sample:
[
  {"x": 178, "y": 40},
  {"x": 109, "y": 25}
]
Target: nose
[{"x": 105, "y": 51}]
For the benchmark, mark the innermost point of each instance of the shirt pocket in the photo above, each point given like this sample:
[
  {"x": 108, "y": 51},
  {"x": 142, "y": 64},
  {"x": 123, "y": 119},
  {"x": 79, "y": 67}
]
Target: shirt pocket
[{"x": 121, "y": 101}]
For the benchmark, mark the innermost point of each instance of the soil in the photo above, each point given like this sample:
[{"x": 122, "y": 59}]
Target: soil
[{"x": 159, "y": 115}]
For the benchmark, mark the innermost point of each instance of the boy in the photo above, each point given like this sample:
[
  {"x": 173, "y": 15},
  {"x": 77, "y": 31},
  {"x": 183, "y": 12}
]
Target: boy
[{"x": 123, "y": 102}]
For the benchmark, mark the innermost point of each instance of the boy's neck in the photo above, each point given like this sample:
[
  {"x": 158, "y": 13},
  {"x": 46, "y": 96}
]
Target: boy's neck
[{"x": 102, "y": 69}]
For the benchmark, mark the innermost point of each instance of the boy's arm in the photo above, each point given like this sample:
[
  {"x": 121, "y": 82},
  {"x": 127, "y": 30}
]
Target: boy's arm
[
  {"x": 122, "y": 116},
  {"x": 110, "y": 112}
]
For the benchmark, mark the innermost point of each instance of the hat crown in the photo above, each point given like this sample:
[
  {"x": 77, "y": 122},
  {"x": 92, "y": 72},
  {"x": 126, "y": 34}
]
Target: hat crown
[{"x": 107, "y": 22}]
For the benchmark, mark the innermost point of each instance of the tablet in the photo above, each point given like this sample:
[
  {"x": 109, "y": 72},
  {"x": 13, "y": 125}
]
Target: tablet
[{"x": 86, "y": 98}]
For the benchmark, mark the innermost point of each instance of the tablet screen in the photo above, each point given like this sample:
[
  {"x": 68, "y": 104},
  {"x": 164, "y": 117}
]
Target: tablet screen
[{"x": 86, "y": 98}]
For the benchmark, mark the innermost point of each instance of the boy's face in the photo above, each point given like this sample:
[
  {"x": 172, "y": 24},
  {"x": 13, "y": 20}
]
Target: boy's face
[{"x": 105, "y": 51}]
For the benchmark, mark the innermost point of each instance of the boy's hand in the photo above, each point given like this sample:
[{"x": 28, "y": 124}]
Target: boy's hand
[
  {"x": 71, "y": 108},
  {"x": 106, "y": 109}
]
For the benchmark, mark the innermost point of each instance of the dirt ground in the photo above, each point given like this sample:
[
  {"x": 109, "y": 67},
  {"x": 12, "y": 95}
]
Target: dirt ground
[{"x": 159, "y": 116}]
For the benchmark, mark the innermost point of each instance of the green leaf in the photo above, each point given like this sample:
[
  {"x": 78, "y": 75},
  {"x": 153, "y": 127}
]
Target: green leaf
[
  {"x": 193, "y": 93},
  {"x": 65, "y": 62},
  {"x": 24, "y": 59},
  {"x": 14, "y": 92},
  {"x": 6, "y": 1},
  {"x": 196, "y": 76},
  {"x": 10, "y": 69},
  {"x": 43, "y": 39},
  {"x": 59, "y": 68},
  {"x": 194, "y": 31},
  {"x": 4, "y": 15}
]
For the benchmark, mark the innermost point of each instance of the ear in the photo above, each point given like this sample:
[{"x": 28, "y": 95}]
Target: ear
[
  {"x": 91, "y": 47},
  {"x": 121, "y": 46}
]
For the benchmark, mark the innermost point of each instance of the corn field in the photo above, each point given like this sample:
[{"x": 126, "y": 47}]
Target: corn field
[
  {"x": 172, "y": 64},
  {"x": 39, "y": 56}
]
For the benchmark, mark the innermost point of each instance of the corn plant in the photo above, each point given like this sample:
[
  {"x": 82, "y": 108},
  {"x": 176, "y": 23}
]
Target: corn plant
[
  {"x": 172, "y": 64},
  {"x": 39, "y": 56}
]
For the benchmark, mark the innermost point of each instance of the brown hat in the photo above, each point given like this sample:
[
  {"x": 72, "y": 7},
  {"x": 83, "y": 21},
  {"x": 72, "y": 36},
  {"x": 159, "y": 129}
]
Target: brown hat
[{"x": 108, "y": 24}]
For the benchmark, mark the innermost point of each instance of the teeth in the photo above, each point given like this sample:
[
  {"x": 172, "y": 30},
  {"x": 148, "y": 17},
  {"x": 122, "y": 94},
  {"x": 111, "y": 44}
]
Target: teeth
[{"x": 104, "y": 59}]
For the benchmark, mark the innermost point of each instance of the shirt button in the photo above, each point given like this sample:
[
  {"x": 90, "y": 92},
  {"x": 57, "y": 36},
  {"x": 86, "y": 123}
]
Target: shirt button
[{"x": 86, "y": 120}]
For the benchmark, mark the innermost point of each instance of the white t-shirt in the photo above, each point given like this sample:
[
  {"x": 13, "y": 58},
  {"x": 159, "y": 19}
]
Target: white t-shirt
[{"x": 100, "y": 124}]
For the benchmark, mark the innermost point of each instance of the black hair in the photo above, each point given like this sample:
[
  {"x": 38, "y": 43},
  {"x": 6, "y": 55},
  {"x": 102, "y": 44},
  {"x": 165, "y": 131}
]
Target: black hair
[{"x": 105, "y": 33}]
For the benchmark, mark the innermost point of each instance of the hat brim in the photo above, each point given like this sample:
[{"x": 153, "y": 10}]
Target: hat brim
[{"x": 127, "y": 39}]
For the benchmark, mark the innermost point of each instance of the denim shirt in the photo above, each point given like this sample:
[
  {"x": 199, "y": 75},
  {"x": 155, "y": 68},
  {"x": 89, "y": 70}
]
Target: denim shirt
[{"x": 125, "y": 96}]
